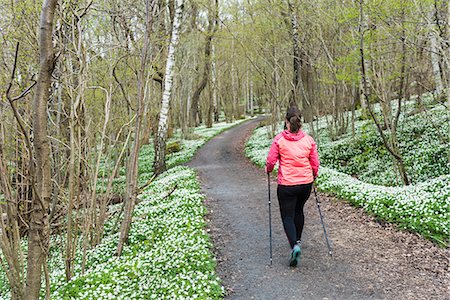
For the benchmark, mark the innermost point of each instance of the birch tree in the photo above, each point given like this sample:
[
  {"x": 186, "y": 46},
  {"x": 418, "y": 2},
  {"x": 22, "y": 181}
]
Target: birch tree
[{"x": 160, "y": 140}]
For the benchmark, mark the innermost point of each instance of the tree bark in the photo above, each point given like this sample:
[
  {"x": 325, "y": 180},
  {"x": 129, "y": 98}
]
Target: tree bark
[
  {"x": 296, "y": 81},
  {"x": 77, "y": 65},
  {"x": 434, "y": 54},
  {"x": 10, "y": 235},
  {"x": 38, "y": 238},
  {"x": 10, "y": 241},
  {"x": 74, "y": 174},
  {"x": 212, "y": 27},
  {"x": 391, "y": 122},
  {"x": 132, "y": 172},
  {"x": 447, "y": 58},
  {"x": 251, "y": 97},
  {"x": 160, "y": 143},
  {"x": 214, "y": 86}
]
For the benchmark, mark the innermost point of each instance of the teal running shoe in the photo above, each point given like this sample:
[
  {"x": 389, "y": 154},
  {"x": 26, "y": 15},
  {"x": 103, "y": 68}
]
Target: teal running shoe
[{"x": 295, "y": 255}]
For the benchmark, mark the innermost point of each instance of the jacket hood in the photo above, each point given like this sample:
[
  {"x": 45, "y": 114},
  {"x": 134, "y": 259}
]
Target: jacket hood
[{"x": 293, "y": 136}]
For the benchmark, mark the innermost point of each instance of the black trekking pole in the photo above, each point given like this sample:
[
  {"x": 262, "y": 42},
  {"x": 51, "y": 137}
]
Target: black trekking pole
[
  {"x": 321, "y": 220},
  {"x": 270, "y": 218}
]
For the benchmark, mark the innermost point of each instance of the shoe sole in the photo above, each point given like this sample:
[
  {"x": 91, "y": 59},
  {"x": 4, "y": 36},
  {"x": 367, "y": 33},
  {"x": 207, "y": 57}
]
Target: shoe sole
[{"x": 294, "y": 258}]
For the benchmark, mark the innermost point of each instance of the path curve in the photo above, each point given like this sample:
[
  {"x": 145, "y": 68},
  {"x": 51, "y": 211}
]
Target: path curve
[{"x": 370, "y": 260}]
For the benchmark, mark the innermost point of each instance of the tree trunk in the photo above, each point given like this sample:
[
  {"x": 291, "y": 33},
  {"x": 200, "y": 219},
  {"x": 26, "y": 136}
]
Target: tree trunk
[
  {"x": 275, "y": 93},
  {"x": 212, "y": 27},
  {"x": 160, "y": 143},
  {"x": 355, "y": 96},
  {"x": 10, "y": 241},
  {"x": 251, "y": 96},
  {"x": 213, "y": 19},
  {"x": 91, "y": 218},
  {"x": 10, "y": 235},
  {"x": 293, "y": 101},
  {"x": 132, "y": 172},
  {"x": 364, "y": 84},
  {"x": 434, "y": 54},
  {"x": 392, "y": 145},
  {"x": 74, "y": 174},
  {"x": 106, "y": 198},
  {"x": 214, "y": 85},
  {"x": 234, "y": 96},
  {"x": 38, "y": 237},
  {"x": 447, "y": 58}
]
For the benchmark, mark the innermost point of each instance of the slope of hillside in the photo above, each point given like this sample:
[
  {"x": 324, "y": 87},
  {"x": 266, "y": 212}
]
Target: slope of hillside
[{"x": 361, "y": 171}]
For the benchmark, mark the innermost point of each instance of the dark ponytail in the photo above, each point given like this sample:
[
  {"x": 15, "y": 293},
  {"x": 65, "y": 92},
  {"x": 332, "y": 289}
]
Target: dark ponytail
[{"x": 293, "y": 116}]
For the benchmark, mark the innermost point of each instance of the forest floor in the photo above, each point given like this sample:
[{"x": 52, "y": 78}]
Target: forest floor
[{"x": 371, "y": 260}]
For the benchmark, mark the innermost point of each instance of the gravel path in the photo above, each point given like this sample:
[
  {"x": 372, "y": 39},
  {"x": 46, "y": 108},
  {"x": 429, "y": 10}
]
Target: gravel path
[{"x": 370, "y": 260}]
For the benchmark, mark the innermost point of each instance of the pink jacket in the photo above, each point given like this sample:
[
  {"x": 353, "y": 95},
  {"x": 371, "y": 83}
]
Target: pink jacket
[{"x": 297, "y": 156}]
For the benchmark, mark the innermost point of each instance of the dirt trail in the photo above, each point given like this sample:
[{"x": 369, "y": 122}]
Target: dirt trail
[{"x": 370, "y": 260}]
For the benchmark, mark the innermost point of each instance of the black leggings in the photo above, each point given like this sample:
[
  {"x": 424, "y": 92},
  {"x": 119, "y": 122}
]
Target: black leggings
[{"x": 292, "y": 199}]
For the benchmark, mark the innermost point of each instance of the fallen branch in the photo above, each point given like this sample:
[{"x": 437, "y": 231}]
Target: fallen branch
[
  {"x": 140, "y": 189},
  {"x": 166, "y": 196}
]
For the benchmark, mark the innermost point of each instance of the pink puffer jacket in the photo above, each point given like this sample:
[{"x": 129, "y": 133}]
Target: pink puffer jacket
[{"x": 297, "y": 156}]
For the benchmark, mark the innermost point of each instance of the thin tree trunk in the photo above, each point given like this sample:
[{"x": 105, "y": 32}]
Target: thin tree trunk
[
  {"x": 447, "y": 58},
  {"x": 434, "y": 54},
  {"x": 91, "y": 220},
  {"x": 212, "y": 27},
  {"x": 234, "y": 100},
  {"x": 160, "y": 143},
  {"x": 10, "y": 241},
  {"x": 10, "y": 235},
  {"x": 38, "y": 237},
  {"x": 355, "y": 95},
  {"x": 214, "y": 85},
  {"x": 107, "y": 196},
  {"x": 247, "y": 93},
  {"x": 364, "y": 84},
  {"x": 209, "y": 56},
  {"x": 275, "y": 95},
  {"x": 132, "y": 173},
  {"x": 73, "y": 183},
  {"x": 251, "y": 96},
  {"x": 293, "y": 101},
  {"x": 393, "y": 146},
  {"x": 402, "y": 94},
  {"x": 58, "y": 157}
]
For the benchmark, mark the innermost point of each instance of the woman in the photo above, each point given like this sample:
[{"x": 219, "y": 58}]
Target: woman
[{"x": 298, "y": 160}]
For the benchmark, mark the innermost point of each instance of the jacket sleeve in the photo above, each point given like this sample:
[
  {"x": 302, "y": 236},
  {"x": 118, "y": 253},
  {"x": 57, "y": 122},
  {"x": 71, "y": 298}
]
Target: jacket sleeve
[
  {"x": 273, "y": 155},
  {"x": 314, "y": 159}
]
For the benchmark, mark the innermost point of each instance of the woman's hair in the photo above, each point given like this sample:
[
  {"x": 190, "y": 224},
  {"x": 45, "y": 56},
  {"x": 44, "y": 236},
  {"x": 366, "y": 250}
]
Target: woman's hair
[{"x": 293, "y": 116}]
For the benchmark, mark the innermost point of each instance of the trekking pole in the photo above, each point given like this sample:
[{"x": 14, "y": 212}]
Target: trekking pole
[
  {"x": 321, "y": 220},
  {"x": 270, "y": 218}
]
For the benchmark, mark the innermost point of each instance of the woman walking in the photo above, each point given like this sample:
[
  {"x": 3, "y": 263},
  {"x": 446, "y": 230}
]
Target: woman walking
[{"x": 298, "y": 160}]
